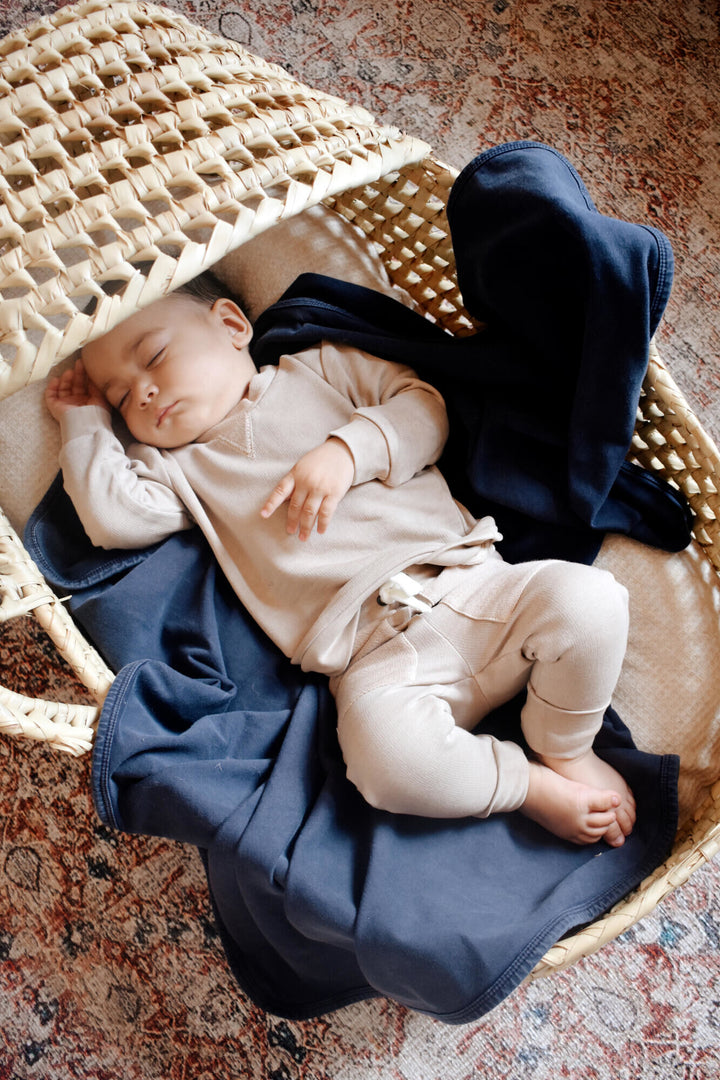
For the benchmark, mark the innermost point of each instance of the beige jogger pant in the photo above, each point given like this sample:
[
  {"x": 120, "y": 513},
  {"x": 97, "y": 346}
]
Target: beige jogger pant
[{"x": 419, "y": 684}]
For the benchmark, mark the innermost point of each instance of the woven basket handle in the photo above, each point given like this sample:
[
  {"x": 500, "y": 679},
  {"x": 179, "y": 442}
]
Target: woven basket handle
[{"x": 23, "y": 590}]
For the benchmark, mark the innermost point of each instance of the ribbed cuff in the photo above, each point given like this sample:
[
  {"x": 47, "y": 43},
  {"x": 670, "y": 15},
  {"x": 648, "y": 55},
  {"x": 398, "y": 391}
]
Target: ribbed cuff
[
  {"x": 368, "y": 447},
  {"x": 513, "y": 777},
  {"x": 83, "y": 420},
  {"x": 559, "y": 733}
]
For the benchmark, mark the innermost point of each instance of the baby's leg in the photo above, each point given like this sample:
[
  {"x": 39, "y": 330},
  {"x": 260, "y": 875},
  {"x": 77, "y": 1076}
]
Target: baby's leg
[
  {"x": 401, "y": 741},
  {"x": 577, "y": 651},
  {"x": 408, "y": 705}
]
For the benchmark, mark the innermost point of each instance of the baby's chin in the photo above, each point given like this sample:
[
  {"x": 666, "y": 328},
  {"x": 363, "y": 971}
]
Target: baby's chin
[
  {"x": 163, "y": 443},
  {"x": 181, "y": 423},
  {"x": 169, "y": 436}
]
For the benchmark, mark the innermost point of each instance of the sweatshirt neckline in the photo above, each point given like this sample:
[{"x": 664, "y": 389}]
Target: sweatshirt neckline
[{"x": 257, "y": 387}]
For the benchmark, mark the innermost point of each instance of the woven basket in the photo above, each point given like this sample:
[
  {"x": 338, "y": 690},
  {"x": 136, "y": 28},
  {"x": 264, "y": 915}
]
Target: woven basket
[{"x": 136, "y": 150}]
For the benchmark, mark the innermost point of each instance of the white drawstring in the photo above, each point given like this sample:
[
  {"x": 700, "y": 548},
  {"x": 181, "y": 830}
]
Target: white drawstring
[{"x": 402, "y": 589}]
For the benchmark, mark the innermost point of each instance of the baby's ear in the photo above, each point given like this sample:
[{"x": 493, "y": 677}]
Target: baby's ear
[{"x": 234, "y": 320}]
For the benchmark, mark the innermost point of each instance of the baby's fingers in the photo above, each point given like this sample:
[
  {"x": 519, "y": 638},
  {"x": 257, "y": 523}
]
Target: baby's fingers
[
  {"x": 64, "y": 381},
  {"x": 280, "y": 494},
  {"x": 303, "y": 515},
  {"x": 328, "y": 508},
  {"x": 57, "y": 391},
  {"x": 78, "y": 377}
]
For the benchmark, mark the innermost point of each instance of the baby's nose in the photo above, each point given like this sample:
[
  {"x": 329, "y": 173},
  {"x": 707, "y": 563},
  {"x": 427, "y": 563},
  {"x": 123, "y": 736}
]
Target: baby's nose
[{"x": 146, "y": 393}]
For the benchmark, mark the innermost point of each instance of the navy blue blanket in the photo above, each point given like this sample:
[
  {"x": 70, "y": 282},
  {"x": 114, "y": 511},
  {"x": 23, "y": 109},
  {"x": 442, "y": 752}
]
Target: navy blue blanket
[{"x": 209, "y": 736}]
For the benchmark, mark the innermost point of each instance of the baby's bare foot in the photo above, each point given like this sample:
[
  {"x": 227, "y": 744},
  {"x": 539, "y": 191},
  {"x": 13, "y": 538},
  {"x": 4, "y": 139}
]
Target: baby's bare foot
[
  {"x": 591, "y": 770},
  {"x": 571, "y": 810}
]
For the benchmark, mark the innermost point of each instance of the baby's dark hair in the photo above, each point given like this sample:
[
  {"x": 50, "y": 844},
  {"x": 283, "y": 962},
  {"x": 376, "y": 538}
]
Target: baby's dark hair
[{"x": 206, "y": 288}]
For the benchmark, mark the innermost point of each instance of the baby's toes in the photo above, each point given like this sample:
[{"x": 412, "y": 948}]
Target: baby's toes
[
  {"x": 595, "y": 828},
  {"x": 615, "y": 835},
  {"x": 600, "y": 821},
  {"x": 626, "y": 818}
]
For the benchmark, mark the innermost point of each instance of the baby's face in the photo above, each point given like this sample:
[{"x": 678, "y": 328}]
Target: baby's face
[{"x": 174, "y": 369}]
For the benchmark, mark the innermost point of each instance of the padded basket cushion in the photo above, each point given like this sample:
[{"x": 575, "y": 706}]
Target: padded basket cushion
[{"x": 669, "y": 688}]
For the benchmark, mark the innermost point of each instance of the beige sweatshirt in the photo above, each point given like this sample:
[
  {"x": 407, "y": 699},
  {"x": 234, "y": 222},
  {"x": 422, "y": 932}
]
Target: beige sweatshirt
[{"x": 305, "y": 595}]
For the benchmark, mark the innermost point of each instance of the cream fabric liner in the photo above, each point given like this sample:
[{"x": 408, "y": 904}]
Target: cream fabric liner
[{"x": 669, "y": 692}]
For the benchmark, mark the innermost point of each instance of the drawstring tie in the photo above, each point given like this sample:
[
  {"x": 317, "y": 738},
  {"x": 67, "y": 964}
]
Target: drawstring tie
[{"x": 402, "y": 589}]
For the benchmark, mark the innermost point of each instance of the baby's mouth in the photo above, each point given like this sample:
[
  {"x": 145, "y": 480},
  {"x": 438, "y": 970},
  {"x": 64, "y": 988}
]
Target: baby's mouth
[{"x": 163, "y": 413}]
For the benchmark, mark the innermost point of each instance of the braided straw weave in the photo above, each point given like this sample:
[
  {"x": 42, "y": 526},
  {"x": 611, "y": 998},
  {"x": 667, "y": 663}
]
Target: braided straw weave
[
  {"x": 130, "y": 136},
  {"x": 137, "y": 150}
]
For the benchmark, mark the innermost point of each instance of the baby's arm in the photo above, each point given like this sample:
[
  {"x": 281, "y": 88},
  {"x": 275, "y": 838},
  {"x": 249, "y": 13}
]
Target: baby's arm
[
  {"x": 122, "y": 501},
  {"x": 400, "y": 423},
  {"x": 398, "y": 428}
]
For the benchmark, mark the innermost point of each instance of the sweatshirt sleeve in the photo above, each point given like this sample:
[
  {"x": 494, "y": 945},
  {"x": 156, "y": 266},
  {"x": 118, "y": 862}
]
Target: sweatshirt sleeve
[
  {"x": 400, "y": 423},
  {"x": 123, "y": 499}
]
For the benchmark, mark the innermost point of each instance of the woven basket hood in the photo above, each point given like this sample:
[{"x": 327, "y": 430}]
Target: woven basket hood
[{"x": 137, "y": 149}]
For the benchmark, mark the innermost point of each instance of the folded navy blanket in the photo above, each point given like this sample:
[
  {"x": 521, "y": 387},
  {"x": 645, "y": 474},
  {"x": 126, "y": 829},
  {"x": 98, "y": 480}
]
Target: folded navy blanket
[{"x": 209, "y": 736}]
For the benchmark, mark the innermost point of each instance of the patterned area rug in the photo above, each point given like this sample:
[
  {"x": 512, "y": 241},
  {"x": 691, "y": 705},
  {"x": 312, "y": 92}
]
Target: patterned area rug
[{"x": 110, "y": 964}]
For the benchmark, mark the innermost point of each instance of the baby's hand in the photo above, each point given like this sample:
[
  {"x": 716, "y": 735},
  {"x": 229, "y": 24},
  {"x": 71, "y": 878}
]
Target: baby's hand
[
  {"x": 314, "y": 486},
  {"x": 71, "y": 389}
]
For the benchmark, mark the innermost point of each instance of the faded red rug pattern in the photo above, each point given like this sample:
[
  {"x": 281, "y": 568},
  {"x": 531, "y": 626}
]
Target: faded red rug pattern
[{"x": 110, "y": 965}]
